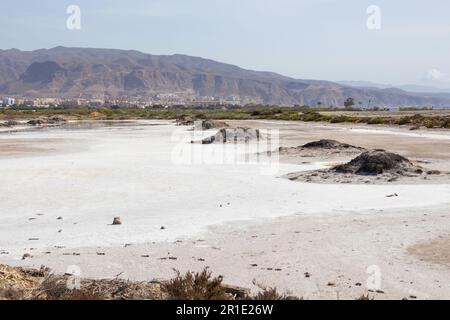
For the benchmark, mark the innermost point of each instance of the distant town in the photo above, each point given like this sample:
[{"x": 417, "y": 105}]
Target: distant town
[
  {"x": 164, "y": 100},
  {"x": 173, "y": 100}
]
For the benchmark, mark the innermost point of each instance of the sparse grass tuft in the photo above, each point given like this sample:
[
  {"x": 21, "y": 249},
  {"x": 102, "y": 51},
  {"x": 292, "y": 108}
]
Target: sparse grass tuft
[
  {"x": 365, "y": 297},
  {"x": 269, "y": 294}
]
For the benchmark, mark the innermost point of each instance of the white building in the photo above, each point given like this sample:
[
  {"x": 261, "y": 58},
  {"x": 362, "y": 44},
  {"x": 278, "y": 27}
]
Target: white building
[{"x": 9, "y": 102}]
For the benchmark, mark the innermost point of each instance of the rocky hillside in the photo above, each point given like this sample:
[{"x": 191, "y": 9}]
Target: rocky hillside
[{"x": 79, "y": 72}]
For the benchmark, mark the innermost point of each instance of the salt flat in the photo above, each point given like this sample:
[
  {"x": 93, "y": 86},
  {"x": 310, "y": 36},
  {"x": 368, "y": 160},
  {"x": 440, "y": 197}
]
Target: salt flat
[
  {"x": 129, "y": 171},
  {"x": 89, "y": 176}
]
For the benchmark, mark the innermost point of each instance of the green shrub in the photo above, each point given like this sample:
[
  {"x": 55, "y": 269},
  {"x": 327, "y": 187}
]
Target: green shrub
[{"x": 376, "y": 121}]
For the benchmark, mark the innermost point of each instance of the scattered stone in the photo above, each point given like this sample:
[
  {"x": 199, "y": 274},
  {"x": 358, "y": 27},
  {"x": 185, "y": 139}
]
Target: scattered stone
[
  {"x": 392, "y": 195},
  {"x": 117, "y": 221},
  {"x": 307, "y": 275},
  {"x": 331, "y": 284},
  {"x": 59, "y": 218},
  {"x": 163, "y": 228},
  {"x": 33, "y": 239},
  {"x": 26, "y": 256},
  {"x": 101, "y": 253}
]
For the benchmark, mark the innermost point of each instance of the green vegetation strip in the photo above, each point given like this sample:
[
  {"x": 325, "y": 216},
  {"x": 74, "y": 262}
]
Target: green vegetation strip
[{"x": 237, "y": 113}]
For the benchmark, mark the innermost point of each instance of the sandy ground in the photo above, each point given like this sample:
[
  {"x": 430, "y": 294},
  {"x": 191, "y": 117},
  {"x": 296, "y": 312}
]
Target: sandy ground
[{"x": 315, "y": 241}]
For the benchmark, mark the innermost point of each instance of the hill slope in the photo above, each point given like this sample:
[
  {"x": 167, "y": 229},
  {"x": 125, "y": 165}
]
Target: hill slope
[{"x": 81, "y": 72}]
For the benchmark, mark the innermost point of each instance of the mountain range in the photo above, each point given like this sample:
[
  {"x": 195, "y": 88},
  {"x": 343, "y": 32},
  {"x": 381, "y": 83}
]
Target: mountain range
[
  {"x": 404, "y": 87},
  {"x": 63, "y": 72}
]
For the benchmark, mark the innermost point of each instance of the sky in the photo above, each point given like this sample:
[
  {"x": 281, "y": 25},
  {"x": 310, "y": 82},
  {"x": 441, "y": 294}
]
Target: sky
[{"x": 402, "y": 42}]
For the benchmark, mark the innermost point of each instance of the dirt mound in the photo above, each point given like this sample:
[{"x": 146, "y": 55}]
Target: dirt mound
[
  {"x": 323, "y": 150},
  {"x": 200, "y": 124},
  {"x": 373, "y": 167},
  {"x": 9, "y": 123},
  {"x": 234, "y": 135},
  {"x": 328, "y": 144},
  {"x": 46, "y": 121},
  {"x": 378, "y": 162},
  {"x": 210, "y": 124},
  {"x": 184, "y": 121}
]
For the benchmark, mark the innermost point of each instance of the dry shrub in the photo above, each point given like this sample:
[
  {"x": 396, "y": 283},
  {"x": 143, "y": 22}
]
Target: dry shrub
[
  {"x": 198, "y": 286},
  {"x": 11, "y": 294},
  {"x": 55, "y": 288},
  {"x": 365, "y": 297},
  {"x": 269, "y": 294}
]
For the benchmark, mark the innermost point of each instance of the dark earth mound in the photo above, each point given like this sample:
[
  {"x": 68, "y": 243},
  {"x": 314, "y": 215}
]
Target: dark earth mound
[
  {"x": 328, "y": 144},
  {"x": 212, "y": 124},
  {"x": 48, "y": 120},
  {"x": 378, "y": 162},
  {"x": 200, "y": 124},
  {"x": 184, "y": 121},
  {"x": 234, "y": 135}
]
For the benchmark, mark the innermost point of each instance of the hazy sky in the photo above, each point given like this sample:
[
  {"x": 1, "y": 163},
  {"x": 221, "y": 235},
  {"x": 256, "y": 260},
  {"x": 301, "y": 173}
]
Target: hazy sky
[{"x": 314, "y": 39}]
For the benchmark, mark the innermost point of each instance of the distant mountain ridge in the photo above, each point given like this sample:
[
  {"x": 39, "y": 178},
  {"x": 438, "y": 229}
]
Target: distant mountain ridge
[
  {"x": 406, "y": 87},
  {"x": 90, "y": 73}
]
